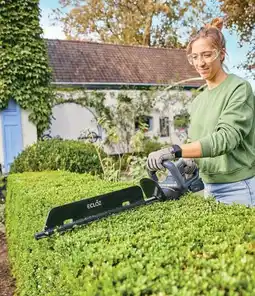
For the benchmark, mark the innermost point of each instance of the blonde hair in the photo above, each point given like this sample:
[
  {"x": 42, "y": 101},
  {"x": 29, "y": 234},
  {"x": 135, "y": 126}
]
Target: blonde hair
[{"x": 212, "y": 31}]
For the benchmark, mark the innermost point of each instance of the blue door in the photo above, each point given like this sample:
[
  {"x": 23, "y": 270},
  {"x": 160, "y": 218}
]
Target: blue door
[{"x": 12, "y": 134}]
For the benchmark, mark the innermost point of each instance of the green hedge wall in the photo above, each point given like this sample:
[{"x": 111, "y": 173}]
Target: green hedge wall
[{"x": 187, "y": 247}]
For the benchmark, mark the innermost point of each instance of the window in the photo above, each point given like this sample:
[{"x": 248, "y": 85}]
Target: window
[
  {"x": 164, "y": 127},
  {"x": 147, "y": 120}
]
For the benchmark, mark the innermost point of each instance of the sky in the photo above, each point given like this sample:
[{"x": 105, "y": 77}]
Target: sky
[{"x": 236, "y": 55}]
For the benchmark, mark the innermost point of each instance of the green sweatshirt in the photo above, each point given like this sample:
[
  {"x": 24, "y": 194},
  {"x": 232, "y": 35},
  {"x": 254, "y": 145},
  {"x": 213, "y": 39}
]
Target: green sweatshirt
[{"x": 223, "y": 120}]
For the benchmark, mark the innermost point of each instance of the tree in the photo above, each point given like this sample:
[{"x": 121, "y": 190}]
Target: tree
[
  {"x": 135, "y": 22},
  {"x": 240, "y": 16}
]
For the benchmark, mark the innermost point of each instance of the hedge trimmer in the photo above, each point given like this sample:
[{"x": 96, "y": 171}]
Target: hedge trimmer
[{"x": 177, "y": 183}]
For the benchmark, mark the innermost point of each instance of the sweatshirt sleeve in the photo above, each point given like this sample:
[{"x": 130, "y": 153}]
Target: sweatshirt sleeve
[{"x": 233, "y": 125}]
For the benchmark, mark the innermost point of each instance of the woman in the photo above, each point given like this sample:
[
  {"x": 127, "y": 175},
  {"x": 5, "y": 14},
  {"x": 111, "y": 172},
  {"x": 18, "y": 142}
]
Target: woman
[{"x": 222, "y": 127}]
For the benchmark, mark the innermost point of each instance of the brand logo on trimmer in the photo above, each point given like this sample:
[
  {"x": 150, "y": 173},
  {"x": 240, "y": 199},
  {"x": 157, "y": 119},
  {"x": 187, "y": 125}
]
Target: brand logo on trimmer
[{"x": 94, "y": 204}]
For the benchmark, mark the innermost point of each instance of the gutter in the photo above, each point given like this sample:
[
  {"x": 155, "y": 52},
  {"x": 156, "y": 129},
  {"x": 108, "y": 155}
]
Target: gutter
[{"x": 119, "y": 85}]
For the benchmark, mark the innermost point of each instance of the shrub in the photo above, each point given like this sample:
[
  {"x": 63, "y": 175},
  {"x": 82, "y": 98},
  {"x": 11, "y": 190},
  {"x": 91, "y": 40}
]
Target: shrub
[
  {"x": 188, "y": 247},
  {"x": 152, "y": 144},
  {"x": 148, "y": 145},
  {"x": 55, "y": 154}
]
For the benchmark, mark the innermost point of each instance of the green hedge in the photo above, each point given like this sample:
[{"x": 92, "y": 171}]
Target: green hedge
[
  {"x": 187, "y": 247},
  {"x": 55, "y": 154}
]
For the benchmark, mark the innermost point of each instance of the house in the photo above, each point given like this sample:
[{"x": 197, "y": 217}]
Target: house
[
  {"x": 110, "y": 67},
  {"x": 102, "y": 67}
]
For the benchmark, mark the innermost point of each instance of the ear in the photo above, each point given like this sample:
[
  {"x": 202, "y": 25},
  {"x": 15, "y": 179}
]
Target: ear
[{"x": 222, "y": 54}]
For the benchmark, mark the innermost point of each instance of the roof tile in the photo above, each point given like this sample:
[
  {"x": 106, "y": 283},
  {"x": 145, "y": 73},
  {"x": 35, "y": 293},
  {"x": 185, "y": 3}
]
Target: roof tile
[{"x": 85, "y": 62}]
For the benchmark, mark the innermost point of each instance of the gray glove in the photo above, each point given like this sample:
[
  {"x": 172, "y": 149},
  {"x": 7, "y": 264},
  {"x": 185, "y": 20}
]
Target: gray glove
[{"x": 155, "y": 158}]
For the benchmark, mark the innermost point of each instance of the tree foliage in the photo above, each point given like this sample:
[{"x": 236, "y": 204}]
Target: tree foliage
[
  {"x": 135, "y": 22},
  {"x": 240, "y": 16},
  {"x": 154, "y": 22},
  {"x": 24, "y": 72}
]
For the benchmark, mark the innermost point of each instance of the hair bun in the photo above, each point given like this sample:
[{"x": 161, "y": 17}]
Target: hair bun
[{"x": 216, "y": 23}]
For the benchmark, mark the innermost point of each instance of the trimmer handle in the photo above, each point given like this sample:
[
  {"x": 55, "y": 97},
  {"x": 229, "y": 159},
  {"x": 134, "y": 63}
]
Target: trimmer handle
[{"x": 175, "y": 171}]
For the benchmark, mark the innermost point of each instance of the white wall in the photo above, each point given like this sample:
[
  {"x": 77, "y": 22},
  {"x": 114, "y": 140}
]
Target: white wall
[
  {"x": 72, "y": 118},
  {"x": 29, "y": 133}
]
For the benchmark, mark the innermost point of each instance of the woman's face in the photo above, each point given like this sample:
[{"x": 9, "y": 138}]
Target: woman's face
[{"x": 205, "y": 58}]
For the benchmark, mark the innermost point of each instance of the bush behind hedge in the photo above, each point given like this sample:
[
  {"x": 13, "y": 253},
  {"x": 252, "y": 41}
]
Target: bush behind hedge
[
  {"x": 187, "y": 247},
  {"x": 56, "y": 154}
]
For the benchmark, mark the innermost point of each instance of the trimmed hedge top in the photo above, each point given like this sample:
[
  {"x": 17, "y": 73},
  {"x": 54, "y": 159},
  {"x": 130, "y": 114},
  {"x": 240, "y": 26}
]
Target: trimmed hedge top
[{"x": 188, "y": 247}]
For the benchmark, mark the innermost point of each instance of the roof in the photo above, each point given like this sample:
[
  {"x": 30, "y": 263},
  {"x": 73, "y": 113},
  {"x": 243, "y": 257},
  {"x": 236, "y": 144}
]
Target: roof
[{"x": 82, "y": 62}]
